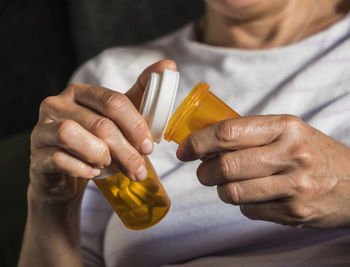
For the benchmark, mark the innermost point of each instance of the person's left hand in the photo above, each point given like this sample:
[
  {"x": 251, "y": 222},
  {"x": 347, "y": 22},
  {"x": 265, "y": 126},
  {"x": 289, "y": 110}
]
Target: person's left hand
[{"x": 277, "y": 168}]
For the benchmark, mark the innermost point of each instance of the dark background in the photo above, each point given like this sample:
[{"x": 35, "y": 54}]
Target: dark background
[{"x": 41, "y": 43}]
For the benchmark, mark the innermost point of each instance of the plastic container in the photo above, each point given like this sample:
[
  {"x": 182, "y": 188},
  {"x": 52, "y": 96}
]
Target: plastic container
[
  {"x": 199, "y": 109},
  {"x": 141, "y": 205}
]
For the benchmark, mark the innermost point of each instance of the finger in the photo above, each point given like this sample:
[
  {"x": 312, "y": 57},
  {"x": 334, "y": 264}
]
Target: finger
[
  {"x": 281, "y": 212},
  {"x": 242, "y": 164},
  {"x": 231, "y": 134},
  {"x": 49, "y": 160},
  {"x": 256, "y": 190},
  {"x": 118, "y": 109},
  {"x": 136, "y": 92},
  {"x": 122, "y": 151},
  {"x": 121, "y": 141},
  {"x": 72, "y": 137},
  {"x": 270, "y": 211}
]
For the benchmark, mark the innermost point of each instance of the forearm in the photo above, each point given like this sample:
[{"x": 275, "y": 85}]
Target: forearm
[{"x": 52, "y": 236}]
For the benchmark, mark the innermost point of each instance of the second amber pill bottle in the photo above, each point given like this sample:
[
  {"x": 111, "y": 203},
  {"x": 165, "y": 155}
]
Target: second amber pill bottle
[{"x": 199, "y": 109}]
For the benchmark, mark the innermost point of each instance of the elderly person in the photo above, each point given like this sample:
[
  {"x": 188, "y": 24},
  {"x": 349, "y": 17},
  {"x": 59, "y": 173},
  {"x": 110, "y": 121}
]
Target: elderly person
[{"x": 264, "y": 58}]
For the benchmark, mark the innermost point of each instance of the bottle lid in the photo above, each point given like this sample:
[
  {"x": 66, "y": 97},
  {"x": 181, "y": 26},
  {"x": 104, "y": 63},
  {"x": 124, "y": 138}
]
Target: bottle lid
[{"x": 158, "y": 101}]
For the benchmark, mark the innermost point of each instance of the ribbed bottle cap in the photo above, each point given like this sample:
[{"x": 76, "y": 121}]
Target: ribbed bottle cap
[{"x": 158, "y": 101}]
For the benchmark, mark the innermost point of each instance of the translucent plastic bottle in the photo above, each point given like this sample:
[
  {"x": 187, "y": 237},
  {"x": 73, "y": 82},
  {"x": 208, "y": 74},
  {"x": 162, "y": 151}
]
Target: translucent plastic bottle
[
  {"x": 140, "y": 205},
  {"x": 199, "y": 109}
]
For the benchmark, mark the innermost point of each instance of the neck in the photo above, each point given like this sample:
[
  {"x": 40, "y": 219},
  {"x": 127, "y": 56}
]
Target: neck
[{"x": 257, "y": 28}]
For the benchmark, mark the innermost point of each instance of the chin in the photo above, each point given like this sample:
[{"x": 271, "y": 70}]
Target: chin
[{"x": 245, "y": 9}]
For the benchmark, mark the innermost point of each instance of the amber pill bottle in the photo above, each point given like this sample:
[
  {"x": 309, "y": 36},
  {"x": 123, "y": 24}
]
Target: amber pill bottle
[
  {"x": 199, "y": 109},
  {"x": 141, "y": 205}
]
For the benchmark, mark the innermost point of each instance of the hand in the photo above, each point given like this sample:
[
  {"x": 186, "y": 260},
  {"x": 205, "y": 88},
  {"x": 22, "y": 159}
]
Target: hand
[
  {"x": 82, "y": 130},
  {"x": 277, "y": 168}
]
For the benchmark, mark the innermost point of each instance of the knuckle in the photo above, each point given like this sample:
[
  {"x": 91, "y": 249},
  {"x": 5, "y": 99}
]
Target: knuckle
[
  {"x": 102, "y": 154},
  {"x": 302, "y": 154},
  {"x": 58, "y": 159},
  {"x": 232, "y": 193},
  {"x": 140, "y": 127},
  {"x": 73, "y": 86},
  {"x": 300, "y": 149},
  {"x": 80, "y": 168},
  {"x": 194, "y": 144},
  {"x": 227, "y": 165},
  {"x": 133, "y": 161},
  {"x": 299, "y": 213},
  {"x": 289, "y": 120},
  {"x": 224, "y": 131},
  {"x": 112, "y": 101},
  {"x": 103, "y": 127},
  {"x": 48, "y": 104},
  {"x": 67, "y": 130},
  {"x": 294, "y": 125},
  {"x": 303, "y": 184}
]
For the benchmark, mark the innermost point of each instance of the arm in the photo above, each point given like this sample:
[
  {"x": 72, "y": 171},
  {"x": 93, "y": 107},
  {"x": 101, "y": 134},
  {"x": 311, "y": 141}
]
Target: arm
[
  {"x": 52, "y": 236},
  {"x": 79, "y": 131}
]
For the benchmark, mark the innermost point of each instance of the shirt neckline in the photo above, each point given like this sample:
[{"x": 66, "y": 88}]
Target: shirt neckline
[{"x": 332, "y": 34}]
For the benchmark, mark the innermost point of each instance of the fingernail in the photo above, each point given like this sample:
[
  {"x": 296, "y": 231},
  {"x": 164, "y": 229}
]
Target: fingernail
[
  {"x": 95, "y": 172},
  {"x": 141, "y": 173},
  {"x": 147, "y": 146}
]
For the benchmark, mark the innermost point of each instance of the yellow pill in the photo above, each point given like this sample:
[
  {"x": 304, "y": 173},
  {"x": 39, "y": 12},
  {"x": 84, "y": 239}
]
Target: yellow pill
[
  {"x": 129, "y": 198},
  {"x": 114, "y": 190},
  {"x": 160, "y": 200},
  {"x": 123, "y": 181},
  {"x": 144, "y": 210},
  {"x": 127, "y": 215},
  {"x": 140, "y": 222},
  {"x": 120, "y": 205},
  {"x": 142, "y": 193},
  {"x": 152, "y": 187}
]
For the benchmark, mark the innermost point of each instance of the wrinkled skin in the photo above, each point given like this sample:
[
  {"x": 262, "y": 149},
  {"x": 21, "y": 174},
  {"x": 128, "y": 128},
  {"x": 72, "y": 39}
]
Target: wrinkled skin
[
  {"x": 82, "y": 130},
  {"x": 277, "y": 168}
]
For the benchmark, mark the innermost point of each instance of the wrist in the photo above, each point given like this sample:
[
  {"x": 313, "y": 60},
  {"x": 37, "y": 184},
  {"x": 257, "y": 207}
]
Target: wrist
[
  {"x": 57, "y": 217},
  {"x": 52, "y": 233}
]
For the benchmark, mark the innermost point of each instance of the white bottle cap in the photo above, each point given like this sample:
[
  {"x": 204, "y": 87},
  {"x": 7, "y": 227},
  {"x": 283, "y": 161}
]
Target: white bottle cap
[{"x": 158, "y": 100}]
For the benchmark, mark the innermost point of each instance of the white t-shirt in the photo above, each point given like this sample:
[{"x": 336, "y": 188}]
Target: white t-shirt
[{"x": 310, "y": 79}]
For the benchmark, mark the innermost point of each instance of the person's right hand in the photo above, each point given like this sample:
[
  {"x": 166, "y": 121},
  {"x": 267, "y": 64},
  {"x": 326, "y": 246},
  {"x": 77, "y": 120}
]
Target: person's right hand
[{"x": 82, "y": 130}]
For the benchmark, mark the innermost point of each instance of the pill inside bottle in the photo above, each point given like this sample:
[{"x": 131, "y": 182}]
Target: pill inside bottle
[{"x": 141, "y": 205}]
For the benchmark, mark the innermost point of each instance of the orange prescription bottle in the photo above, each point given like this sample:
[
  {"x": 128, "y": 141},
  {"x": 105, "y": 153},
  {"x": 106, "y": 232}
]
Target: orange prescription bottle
[
  {"x": 141, "y": 205},
  {"x": 199, "y": 109}
]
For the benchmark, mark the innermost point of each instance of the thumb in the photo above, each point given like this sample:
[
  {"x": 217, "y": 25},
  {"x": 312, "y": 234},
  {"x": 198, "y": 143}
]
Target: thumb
[{"x": 136, "y": 91}]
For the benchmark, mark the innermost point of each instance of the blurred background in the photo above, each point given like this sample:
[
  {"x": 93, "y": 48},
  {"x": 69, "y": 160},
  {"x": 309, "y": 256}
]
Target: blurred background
[{"x": 42, "y": 42}]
